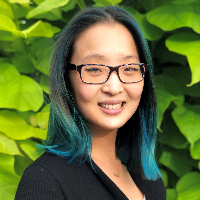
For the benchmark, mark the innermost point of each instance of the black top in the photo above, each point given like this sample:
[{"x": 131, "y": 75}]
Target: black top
[{"x": 50, "y": 177}]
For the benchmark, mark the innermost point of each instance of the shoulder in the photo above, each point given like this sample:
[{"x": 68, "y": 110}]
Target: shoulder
[
  {"x": 51, "y": 165},
  {"x": 152, "y": 189},
  {"x": 47, "y": 160},
  {"x": 51, "y": 177},
  {"x": 38, "y": 183},
  {"x": 58, "y": 166},
  {"x": 39, "y": 180}
]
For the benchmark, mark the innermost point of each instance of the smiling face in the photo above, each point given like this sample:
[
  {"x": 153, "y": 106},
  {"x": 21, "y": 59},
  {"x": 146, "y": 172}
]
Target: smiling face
[{"x": 110, "y": 105}]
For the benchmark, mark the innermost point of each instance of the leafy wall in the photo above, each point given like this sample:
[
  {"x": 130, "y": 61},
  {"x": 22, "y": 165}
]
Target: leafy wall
[{"x": 172, "y": 28}]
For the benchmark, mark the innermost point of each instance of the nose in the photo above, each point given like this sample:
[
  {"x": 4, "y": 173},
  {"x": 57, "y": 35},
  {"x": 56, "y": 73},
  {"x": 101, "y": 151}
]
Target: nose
[{"x": 113, "y": 85}]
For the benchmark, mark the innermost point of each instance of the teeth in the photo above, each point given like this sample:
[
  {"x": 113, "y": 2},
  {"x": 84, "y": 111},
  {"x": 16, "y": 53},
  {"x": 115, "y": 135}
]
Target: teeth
[{"x": 108, "y": 106}]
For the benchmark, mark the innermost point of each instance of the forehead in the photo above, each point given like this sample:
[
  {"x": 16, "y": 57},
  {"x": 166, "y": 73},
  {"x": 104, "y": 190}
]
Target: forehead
[{"x": 105, "y": 41}]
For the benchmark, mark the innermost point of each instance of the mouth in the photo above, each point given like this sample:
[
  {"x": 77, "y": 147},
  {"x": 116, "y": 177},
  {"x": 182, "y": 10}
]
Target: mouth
[{"x": 111, "y": 106}]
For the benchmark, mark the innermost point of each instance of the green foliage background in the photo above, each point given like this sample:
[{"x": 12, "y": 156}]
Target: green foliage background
[{"x": 172, "y": 28}]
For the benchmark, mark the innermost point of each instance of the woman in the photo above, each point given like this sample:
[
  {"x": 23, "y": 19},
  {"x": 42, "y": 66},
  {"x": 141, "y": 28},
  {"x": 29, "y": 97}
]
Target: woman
[{"x": 102, "y": 125}]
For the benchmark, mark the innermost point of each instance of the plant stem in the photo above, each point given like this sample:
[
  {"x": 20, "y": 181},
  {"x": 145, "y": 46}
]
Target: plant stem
[
  {"x": 81, "y": 4},
  {"x": 15, "y": 18}
]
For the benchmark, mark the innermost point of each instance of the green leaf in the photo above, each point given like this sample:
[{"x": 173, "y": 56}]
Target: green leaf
[
  {"x": 171, "y": 134},
  {"x": 42, "y": 119},
  {"x": 6, "y": 46},
  {"x": 6, "y": 36},
  {"x": 7, "y": 24},
  {"x": 46, "y": 108},
  {"x": 3, "y": 60},
  {"x": 20, "y": 11},
  {"x": 164, "y": 177},
  {"x": 182, "y": 77},
  {"x": 16, "y": 128},
  {"x": 171, "y": 17},
  {"x": 7, "y": 72},
  {"x": 114, "y": 2},
  {"x": 166, "y": 57},
  {"x": 171, "y": 194},
  {"x": 25, "y": 115},
  {"x": 44, "y": 83},
  {"x": 21, "y": 93},
  {"x": 150, "y": 31},
  {"x": 167, "y": 91},
  {"x": 173, "y": 178},
  {"x": 42, "y": 50},
  {"x": 19, "y": 46},
  {"x": 187, "y": 44},
  {"x": 9, "y": 180},
  {"x": 8, "y": 146},
  {"x": 33, "y": 120},
  {"x": 195, "y": 68},
  {"x": 38, "y": 1},
  {"x": 23, "y": 64},
  {"x": 54, "y": 29},
  {"x": 46, "y": 6},
  {"x": 39, "y": 29},
  {"x": 181, "y": 2},
  {"x": 195, "y": 150},
  {"x": 54, "y": 14},
  {"x": 57, "y": 13},
  {"x": 6, "y": 10},
  {"x": 20, "y": 1},
  {"x": 51, "y": 15},
  {"x": 21, "y": 163},
  {"x": 103, "y": 3},
  {"x": 29, "y": 147},
  {"x": 152, "y": 4},
  {"x": 187, "y": 119},
  {"x": 44, "y": 60},
  {"x": 70, "y": 6},
  {"x": 194, "y": 163},
  {"x": 176, "y": 160},
  {"x": 38, "y": 45},
  {"x": 188, "y": 187}
]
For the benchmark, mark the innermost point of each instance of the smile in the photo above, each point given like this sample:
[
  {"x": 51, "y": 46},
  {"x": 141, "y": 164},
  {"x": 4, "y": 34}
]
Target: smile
[{"x": 110, "y": 106}]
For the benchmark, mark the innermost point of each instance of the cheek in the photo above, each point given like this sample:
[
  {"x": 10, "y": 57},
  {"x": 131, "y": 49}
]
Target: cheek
[
  {"x": 85, "y": 99},
  {"x": 135, "y": 91},
  {"x": 83, "y": 93}
]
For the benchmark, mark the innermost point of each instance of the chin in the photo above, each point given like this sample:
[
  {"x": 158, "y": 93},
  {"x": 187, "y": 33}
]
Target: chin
[{"x": 107, "y": 127}]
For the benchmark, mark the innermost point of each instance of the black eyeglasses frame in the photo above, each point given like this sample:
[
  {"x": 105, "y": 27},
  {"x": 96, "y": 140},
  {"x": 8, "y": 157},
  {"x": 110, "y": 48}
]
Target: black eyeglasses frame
[{"x": 143, "y": 68}]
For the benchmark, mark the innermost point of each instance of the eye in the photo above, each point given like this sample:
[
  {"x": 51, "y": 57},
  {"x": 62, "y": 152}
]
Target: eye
[
  {"x": 130, "y": 69},
  {"x": 93, "y": 69}
]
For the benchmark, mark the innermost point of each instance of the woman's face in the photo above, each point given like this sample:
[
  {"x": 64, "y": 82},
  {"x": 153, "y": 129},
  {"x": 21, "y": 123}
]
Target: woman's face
[{"x": 111, "y": 45}]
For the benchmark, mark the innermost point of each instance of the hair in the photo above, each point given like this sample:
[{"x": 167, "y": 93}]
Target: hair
[{"x": 68, "y": 135}]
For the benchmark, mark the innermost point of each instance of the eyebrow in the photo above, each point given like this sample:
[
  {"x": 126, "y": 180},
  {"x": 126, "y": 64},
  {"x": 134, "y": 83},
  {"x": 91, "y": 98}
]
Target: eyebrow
[
  {"x": 131, "y": 56},
  {"x": 94, "y": 55},
  {"x": 102, "y": 57}
]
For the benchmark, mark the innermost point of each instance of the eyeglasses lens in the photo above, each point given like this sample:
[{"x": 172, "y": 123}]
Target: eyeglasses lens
[
  {"x": 99, "y": 74},
  {"x": 130, "y": 73},
  {"x": 94, "y": 73}
]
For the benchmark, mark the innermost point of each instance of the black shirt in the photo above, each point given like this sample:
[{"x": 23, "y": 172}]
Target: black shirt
[{"x": 50, "y": 177}]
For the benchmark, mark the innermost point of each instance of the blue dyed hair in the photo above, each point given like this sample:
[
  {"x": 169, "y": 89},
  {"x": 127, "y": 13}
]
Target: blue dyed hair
[{"x": 68, "y": 135}]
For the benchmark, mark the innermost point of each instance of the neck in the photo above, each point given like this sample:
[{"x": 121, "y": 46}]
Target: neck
[{"x": 103, "y": 145}]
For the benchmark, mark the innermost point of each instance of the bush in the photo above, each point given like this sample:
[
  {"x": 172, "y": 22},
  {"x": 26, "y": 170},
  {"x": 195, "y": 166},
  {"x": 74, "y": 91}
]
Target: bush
[{"x": 172, "y": 29}]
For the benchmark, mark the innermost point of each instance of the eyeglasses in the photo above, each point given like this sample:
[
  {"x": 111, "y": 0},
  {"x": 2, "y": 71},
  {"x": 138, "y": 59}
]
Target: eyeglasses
[{"x": 98, "y": 74}]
